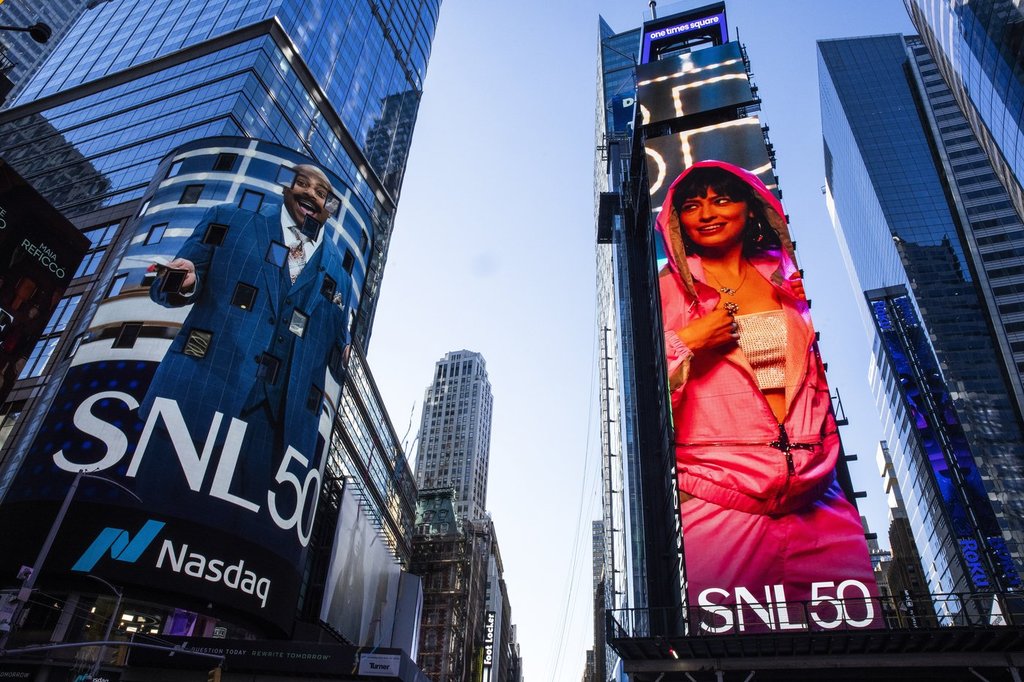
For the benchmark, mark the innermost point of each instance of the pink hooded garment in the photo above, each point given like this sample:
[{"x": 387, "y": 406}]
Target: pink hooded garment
[{"x": 765, "y": 525}]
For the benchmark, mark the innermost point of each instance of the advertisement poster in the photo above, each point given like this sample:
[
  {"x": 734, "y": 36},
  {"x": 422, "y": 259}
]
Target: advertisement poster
[
  {"x": 39, "y": 253},
  {"x": 207, "y": 386},
  {"x": 770, "y": 542}
]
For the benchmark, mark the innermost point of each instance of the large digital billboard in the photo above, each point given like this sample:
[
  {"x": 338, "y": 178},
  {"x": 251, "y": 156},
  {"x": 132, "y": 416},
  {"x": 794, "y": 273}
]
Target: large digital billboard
[
  {"x": 207, "y": 385},
  {"x": 770, "y": 541},
  {"x": 39, "y": 253},
  {"x": 361, "y": 593}
]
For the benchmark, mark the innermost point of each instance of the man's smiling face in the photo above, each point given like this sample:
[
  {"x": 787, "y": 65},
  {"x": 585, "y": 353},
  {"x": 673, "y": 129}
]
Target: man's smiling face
[{"x": 308, "y": 195}]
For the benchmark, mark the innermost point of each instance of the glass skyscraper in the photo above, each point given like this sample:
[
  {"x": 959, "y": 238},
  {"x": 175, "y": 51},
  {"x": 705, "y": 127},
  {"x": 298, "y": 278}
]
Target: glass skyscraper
[
  {"x": 132, "y": 80},
  {"x": 338, "y": 80},
  {"x": 919, "y": 213},
  {"x": 978, "y": 47},
  {"x": 25, "y": 53},
  {"x": 622, "y": 545}
]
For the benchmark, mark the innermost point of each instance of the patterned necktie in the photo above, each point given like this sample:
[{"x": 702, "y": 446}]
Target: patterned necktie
[{"x": 296, "y": 260}]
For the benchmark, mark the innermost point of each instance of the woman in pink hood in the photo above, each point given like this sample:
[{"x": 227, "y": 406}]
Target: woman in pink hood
[{"x": 770, "y": 541}]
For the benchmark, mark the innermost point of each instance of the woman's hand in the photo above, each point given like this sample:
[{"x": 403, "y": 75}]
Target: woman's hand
[
  {"x": 796, "y": 283},
  {"x": 717, "y": 328}
]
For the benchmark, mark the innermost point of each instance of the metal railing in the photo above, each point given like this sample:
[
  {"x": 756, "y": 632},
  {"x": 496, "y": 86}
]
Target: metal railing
[{"x": 826, "y": 614}]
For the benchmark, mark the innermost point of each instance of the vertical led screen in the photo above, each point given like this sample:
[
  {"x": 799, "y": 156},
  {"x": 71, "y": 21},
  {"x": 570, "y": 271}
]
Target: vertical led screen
[
  {"x": 207, "y": 385},
  {"x": 39, "y": 253},
  {"x": 770, "y": 541},
  {"x": 986, "y": 558},
  {"x": 693, "y": 82}
]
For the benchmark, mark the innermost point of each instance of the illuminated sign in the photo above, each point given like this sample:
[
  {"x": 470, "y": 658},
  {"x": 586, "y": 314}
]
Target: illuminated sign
[
  {"x": 39, "y": 253},
  {"x": 207, "y": 385},
  {"x": 693, "y": 83},
  {"x": 489, "y": 639},
  {"x": 672, "y": 30}
]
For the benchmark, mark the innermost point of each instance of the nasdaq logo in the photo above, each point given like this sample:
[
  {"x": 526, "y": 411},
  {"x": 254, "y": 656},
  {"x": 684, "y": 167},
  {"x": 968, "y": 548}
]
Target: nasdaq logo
[{"x": 119, "y": 544}]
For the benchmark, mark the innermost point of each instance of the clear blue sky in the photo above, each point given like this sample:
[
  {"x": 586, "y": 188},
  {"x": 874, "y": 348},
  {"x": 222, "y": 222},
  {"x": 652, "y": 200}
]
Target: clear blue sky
[{"x": 493, "y": 251}]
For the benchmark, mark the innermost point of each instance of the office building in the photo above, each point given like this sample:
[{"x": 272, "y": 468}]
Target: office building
[
  {"x": 676, "y": 92},
  {"x": 455, "y": 432},
  {"x": 25, "y": 53},
  {"x": 211, "y": 102},
  {"x": 451, "y": 554},
  {"x": 923, "y": 224},
  {"x": 978, "y": 50}
]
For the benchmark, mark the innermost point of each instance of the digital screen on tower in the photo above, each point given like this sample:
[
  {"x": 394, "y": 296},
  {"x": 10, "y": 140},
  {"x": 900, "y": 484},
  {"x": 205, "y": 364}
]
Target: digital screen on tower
[
  {"x": 207, "y": 386},
  {"x": 668, "y": 34},
  {"x": 770, "y": 541},
  {"x": 693, "y": 83},
  {"x": 39, "y": 253}
]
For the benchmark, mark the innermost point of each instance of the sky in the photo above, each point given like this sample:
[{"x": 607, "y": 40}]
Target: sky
[{"x": 493, "y": 251}]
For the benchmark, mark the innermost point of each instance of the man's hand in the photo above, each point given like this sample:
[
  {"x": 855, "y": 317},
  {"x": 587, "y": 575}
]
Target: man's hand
[{"x": 189, "y": 283}]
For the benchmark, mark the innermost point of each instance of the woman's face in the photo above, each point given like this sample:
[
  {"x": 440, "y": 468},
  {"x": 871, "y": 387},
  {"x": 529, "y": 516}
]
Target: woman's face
[{"x": 714, "y": 221}]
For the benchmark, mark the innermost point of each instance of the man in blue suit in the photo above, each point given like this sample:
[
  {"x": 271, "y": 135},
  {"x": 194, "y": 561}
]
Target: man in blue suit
[{"x": 268, "y": 323}]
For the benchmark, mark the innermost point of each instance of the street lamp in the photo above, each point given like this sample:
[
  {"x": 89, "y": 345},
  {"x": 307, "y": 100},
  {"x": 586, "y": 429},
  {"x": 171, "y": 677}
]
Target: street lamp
[
  {"x": 39, "y": 31},
  {"x": 29, "y": 581},
  {"x": 110, "y": 626}
]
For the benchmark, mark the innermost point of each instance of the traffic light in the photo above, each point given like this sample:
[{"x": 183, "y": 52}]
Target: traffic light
[{"x": 214, "y": 675}]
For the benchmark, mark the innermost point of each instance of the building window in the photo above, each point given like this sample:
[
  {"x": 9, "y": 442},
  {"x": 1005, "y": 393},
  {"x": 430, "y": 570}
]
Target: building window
[
  {"x": 174, "y": 169},
  {"x": 9, "y": 413},
  {"x": 99, "y": 238},
  {"x": 40, "y": 355},
  {"x": 117, "y": 285},
  {"x": 191, "y": 194},
  {"x": 225, "y": 162},
  {"x": 348, "y": 261},
  {"x": 127, "y": 335},
  {"x": 251, "y": 201},
  {"x": 155, "y": 234}
]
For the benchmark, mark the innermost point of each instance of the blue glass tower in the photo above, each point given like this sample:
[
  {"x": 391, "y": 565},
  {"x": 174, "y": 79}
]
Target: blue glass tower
[
  {"x": 911, "y": 201},
  {"x": 978, "y": 47},
  {"x": 134, "y": 85},
  {"x": 338, "y": 81},
  {"x": 132, "y": 80}
]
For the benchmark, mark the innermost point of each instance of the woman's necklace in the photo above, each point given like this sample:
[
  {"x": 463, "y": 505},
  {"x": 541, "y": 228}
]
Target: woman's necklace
[
  {"x": 731, "y": 291},
  {"x": 731, "y": 307}
]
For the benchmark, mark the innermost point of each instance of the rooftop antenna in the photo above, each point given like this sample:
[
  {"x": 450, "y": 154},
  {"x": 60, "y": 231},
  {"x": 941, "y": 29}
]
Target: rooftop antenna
[{"x": 653, "y": 4}]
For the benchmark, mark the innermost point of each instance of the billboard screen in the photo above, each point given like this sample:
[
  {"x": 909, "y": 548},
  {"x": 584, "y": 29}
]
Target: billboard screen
[
  {"x": 669, "y": 34},
  {"x": 770, "y": 542},
  {"x": 207, "y": 385},
  {"x": 693, "y": 83},
  {"x": 362, "y": 588},
  {"x": 39, "y": 253}
]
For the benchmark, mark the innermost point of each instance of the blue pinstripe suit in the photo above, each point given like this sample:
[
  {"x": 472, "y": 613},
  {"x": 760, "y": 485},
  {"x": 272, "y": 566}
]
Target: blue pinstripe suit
[{"x": 284, "y": 411}]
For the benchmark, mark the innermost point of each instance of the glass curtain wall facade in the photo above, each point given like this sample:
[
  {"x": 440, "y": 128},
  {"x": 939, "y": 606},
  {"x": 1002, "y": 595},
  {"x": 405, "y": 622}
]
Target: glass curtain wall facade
[
  {"x": 942, "y": 387},
  {"x": 24, "y": 52},
  {"x": 337, "y": 80},
  {"x": 134, "y": 79},
  {"x": 624, "y": 582},
  {"x": 978, "y": 47}
]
